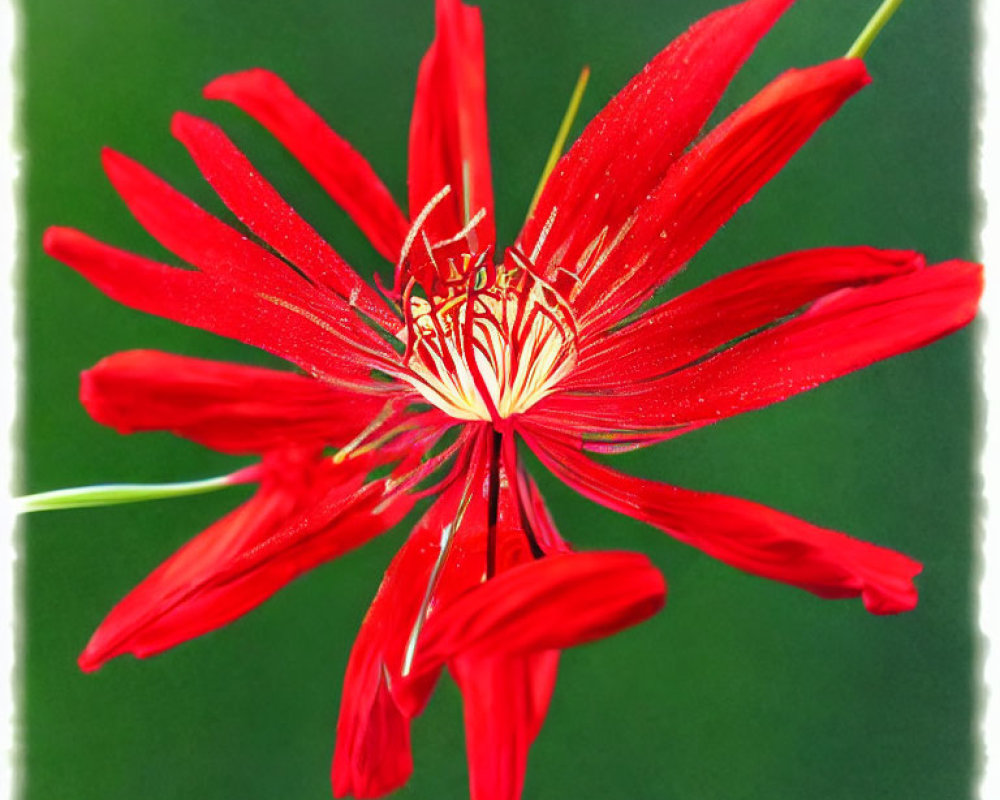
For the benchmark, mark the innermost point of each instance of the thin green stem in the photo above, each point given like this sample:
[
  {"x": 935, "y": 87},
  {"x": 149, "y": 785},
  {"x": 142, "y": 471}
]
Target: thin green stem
[
  {"x": 871, "y": 30},
  {"x": 562, "y": 135},
  {"x": 116, "y": 493}
]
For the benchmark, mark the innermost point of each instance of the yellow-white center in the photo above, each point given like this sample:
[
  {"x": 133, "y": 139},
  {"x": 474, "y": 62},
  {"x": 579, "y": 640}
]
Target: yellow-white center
[{"x": 492, "y": 352}]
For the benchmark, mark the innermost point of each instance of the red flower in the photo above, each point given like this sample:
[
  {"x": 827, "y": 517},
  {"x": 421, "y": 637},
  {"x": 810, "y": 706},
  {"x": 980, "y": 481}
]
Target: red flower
[{"x": 428, "y": 387}]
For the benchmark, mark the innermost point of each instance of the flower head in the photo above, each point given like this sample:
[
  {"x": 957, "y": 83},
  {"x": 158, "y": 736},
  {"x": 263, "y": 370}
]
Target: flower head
[{"x": 433, "y": 384}]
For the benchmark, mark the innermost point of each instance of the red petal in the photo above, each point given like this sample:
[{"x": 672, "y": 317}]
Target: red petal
[
  {"x": 259, "y": 206},
  {"x": 746, "y": 535},
  {"x": 421, "y": 582},
  {"x": 698, "y": 322},
  {"x": 370, "y": 717},
  {"x": 625, "y": 151},
  {"x": 448, "y": 137},
  {"x": 707, "y": 186},
  {"x": 339, "y": 169},
  {"x": 842, "y": 332},
  {"x": 222, "y": 252},
  {"x": 303, "y": 515},
  {"x": 320, "y": 345},
  {"x": 505, "y": 700},
  {"x": 228, "y": 407},
  {"x": 552, "y": 603}
]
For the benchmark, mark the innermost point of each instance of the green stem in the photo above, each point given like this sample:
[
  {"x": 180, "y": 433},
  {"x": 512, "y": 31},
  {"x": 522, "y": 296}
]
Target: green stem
[
  {"x": 116, "y": 493},
  {"x": 562, "y": 135},
  {"x": 875, "y": 24}
]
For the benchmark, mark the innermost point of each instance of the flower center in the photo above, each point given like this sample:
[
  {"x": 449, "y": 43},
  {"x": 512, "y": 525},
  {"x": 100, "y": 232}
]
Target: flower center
[{"x": 494, "y": 343}]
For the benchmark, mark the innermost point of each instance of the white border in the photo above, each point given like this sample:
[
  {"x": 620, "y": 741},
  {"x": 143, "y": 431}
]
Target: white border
[
  {"x": 988, "y": 168},
  {"x": 9, "y": 229},
  {"x": 9, "y": 163},
  {"x": 988, "y": 63}
]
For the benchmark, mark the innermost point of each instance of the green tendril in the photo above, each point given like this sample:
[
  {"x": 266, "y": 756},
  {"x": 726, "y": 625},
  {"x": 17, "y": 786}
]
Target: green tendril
[
  {"x": 871, "y": 30},
  {"x": 116, "y": 493},
  {"x": 562, "y": 135}
]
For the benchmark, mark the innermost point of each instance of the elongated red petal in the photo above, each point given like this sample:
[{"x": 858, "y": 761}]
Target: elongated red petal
[
  {"x": 303, "y": 515},
  {"x": 844, "y": 331},
  {"x": 746, "y": 535},
  {"x": 259, "y": 206},
  {"x": 695, "y": 324},
  {"x": 222, "y": 252},
  {"x": 554, "y": 602},
  {"x": 448, "y": 136},
  {"x": 338, "y": 168},
  {"x": 707, "y": 186},
  {"x": 505, "y": 700},
  {"x": 228, "y": 407},
  {"x": 625, "y": 151},
  {"x": 321, "y": 345},
  {"x": 445, "y": 557},
  {"x": 371, "y": 718}
]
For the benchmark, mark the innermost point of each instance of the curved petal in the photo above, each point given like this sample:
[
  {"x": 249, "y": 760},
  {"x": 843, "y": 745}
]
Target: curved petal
[
  {"x": 323, "y": 346},
  {"x": 228, "y": 407},
  {"x": 843, "y": 331},
  {"x": 746, "y": 535},
  {"x": 372, "y": 753},
  {"x": 552, "y": 603},
  {"x": 259, "y": 206},
  {"x": 453, "y": 549},
  {"x": 335, "y": 165},
  {"x": 305, "y": 512},
  {"x": 702, "y": 190},
  {"x": 625, "y": 151},
  {"x": 695, "y": 324},
  {"x": 218, "y": 250},
  {"x": 448, "y": 136}
]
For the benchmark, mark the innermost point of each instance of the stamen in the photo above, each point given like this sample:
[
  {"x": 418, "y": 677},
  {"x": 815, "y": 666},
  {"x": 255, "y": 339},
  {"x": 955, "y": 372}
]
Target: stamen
[
  {"x": 467, "y": 191},
  {"x": 348, "y": 449},
  {"x": 353, "y": 342},
  {"x": 430, "y": 252},
  {"x": 492, "y": 345},
  {"x": 544, "y": 234},
  {"x": 469, "y": 226},
  {"x": 418, "y": 225}
]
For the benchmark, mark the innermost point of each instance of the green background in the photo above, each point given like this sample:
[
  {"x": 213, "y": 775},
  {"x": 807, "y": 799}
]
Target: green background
[{"x": 740, "y": 688}]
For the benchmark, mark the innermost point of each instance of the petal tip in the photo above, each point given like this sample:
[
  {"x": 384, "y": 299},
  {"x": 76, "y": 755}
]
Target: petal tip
[
  {"x": 59, "y": 242},
  {"x": 90, "y": 660},
  {"x": 183, "y": 124},
  {"x": 233, "y": 84}
]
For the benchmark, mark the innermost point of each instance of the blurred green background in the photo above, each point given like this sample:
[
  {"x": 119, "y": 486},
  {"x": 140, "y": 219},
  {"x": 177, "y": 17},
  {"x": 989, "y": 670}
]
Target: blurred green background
[{"x": 740, "y": 688}]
